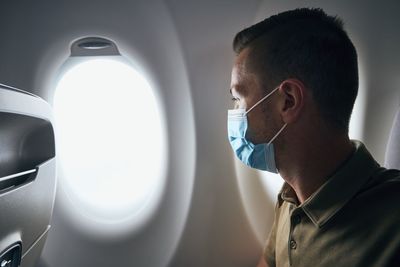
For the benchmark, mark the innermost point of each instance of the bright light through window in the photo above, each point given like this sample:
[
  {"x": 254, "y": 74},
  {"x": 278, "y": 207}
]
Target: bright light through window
[{"x": 110, "y": 138}]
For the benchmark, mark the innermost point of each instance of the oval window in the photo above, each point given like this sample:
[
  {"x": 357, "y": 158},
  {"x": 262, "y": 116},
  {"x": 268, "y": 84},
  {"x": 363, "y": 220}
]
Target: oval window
[{"x": 110, "y": 137}]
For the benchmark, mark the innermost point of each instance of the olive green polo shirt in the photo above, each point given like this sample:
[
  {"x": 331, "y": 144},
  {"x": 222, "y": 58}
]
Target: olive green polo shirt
[{"x": 352, "y": 220}]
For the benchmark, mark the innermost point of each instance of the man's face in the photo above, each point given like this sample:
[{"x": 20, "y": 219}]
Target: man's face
[{"x": 246, "y": 90}]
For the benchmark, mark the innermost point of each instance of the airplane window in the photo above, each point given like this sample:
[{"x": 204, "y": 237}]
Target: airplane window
[{"x": 110, "y": 138}]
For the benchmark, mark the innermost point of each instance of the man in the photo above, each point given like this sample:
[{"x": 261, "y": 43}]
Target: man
[{"x": 294, "y": 83}]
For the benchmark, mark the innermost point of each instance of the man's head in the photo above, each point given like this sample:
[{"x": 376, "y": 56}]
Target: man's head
[{"x": 307, "y": 47}]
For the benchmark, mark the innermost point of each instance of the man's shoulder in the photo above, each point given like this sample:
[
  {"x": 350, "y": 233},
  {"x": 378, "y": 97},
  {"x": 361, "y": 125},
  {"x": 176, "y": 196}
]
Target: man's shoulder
[
  {"x": 384, "y": 177},
  {"x": 384, "y": 184}
]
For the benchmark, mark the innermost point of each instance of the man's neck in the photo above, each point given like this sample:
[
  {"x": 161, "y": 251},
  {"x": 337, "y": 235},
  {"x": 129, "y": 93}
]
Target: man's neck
[{"x": 309, "y": 164}]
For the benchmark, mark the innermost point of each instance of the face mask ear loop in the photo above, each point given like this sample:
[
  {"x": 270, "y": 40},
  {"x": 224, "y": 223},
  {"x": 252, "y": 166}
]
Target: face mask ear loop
[
  {"x": 276, "y": 135},
  {"x": 261, "y": 100}
]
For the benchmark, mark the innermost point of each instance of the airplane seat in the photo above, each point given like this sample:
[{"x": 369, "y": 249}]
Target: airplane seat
[
  {"x": 27, "y": 176},
  {"x": 392, "y": 157}
]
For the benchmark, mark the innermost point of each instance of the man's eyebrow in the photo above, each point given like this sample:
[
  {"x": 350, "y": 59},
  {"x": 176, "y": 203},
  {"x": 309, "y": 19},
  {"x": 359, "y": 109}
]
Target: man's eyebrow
[
  {"x": 234, "y": 86},
  {"x": 238, "y": 88}
]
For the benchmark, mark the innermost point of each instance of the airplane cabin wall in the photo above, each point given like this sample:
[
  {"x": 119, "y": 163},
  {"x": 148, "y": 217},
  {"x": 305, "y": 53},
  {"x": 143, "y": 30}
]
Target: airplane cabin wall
[{"x": 206, "y": 216}]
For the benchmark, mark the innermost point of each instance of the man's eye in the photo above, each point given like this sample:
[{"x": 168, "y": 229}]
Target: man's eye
[{"x": 236, "y": 102}]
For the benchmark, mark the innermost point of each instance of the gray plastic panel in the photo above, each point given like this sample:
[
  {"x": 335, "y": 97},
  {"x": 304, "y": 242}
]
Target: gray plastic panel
[
  {"x": 25, "y": 142},
  {"x": 27, "y": 171},
  {"x": 30, "y": 258}
]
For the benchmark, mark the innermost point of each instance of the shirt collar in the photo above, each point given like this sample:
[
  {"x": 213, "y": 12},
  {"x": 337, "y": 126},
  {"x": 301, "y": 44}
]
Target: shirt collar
[
  {"x": 344, "y": 184},
  {"x": 287, "y": 194}
]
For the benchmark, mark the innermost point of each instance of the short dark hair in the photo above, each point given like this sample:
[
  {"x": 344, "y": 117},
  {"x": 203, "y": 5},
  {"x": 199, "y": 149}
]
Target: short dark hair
[{"x": 311, "y": 46}]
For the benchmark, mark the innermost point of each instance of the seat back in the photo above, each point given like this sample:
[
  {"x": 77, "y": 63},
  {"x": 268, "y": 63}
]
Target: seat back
[
  {"x": 27, "y": 176},
  {"x": 392, "y": 157}
]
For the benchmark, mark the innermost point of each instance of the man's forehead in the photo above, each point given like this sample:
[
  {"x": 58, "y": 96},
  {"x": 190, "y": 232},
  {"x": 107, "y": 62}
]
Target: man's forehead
[
  {"x": 239, "y": 70},
  {"x": 241, "y": 77},
  {"x": 241, "y": 60}
]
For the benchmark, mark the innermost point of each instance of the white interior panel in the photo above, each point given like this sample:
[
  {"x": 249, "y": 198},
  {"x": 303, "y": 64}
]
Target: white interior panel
[{"x": 213, "y": 211}]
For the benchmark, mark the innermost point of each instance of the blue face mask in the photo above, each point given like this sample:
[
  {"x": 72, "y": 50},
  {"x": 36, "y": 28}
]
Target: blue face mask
[{"x": 261, "y": 156}]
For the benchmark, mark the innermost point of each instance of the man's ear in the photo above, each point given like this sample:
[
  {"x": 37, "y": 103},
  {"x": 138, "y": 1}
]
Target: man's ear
[{"x": 293, "y": 97}]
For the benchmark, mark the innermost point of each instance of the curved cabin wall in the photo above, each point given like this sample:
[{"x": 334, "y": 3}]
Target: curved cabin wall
[
  {"x": 153, "y": 47},
  {"x": 146, "y": 36},
  {"x": 185, "y": 49}
]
